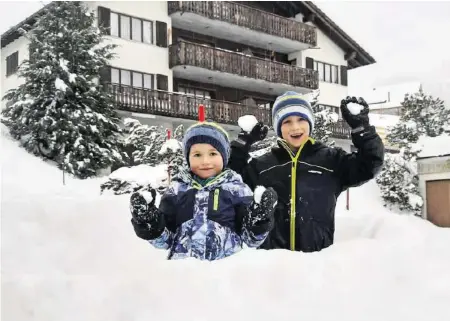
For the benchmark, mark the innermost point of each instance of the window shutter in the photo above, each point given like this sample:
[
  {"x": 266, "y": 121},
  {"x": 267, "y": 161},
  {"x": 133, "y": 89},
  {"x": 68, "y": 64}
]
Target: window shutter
[
  {"x": 105, "y": 75},
  {"x": 162, "y": 82},
  {"x": 161, "y": 34},
  {"x": 344, "y": 75},
  {"x": 309, "y": 63},
  {"x": 104, "y": 19},
  {"x": 12, "y": 63}
]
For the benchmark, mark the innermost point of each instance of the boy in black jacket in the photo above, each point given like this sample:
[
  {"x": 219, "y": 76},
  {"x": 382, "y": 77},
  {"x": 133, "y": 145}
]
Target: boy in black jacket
[{"x": 307, "y": 175}]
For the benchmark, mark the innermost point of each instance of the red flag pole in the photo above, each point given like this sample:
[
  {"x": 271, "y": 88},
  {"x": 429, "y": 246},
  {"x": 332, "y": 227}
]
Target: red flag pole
[
  {"x": 201, "y": 113},
  {"x": 348, "y": 199}
]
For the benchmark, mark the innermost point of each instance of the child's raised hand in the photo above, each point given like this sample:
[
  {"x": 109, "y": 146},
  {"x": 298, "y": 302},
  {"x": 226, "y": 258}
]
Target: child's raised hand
[{"x": 142, "y": 205}]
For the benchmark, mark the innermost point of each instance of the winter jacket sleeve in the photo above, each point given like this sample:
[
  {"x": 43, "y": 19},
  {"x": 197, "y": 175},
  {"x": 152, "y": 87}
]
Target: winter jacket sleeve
[
  {"x": 354, "y": 169},
  {"x": 167, "y": 207},
  {"x": 242, "y": 163}
]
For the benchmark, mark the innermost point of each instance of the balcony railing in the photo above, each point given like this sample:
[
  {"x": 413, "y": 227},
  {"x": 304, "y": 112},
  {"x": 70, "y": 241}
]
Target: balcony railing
[
  {"x": 178, "y": 105},
  {"x": 341, "y": 129},
  {"x": 250, "y": 18},
  {"x": 182, "y": 106},
  {"x": 202, "y": 56}
]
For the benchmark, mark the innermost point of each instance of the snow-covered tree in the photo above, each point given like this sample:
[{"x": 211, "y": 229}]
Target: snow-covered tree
[
  {"x": 430, "y": 114},
  {"x": 61, "y": 112},
  {"x": 421, "y": 116},
  {"x": 171, "y": 154},
  {"x": 142, "y": 143},
  {"x": 324, "y": 120},
  {"x": 399, "y": 183}
]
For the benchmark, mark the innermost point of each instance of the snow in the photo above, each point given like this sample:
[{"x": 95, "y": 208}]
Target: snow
[
  {"x": 247, "y": 122},
  {"x": 60, "y": 84},
  {"x": 257, "y": 194},
  {"x": 382, "y": 120},
  {"x": 354, "y": 108},
  {"x": 171, "y": 144},
  {"x": 142, "y": 175},
  {"x": 69, "y": 253},
  {"x": 434, "y": 146}
]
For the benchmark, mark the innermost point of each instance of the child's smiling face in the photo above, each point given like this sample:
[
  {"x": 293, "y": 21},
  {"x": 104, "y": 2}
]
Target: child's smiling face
[
  {"x": 295, "y": 131},
  {"x": 205, "y": 161}
]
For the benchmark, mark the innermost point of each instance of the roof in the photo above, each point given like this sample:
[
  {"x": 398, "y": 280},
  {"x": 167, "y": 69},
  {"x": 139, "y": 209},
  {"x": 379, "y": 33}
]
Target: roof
[
  {"x": 13, "y": 33},
  {"x": 331, "y": 29}
]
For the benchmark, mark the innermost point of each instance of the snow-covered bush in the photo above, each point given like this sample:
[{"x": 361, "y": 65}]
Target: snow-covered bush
[{"x": 61, "y": 111}]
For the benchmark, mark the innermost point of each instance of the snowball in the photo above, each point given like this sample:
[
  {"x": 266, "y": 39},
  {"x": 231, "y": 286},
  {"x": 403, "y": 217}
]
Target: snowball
[
  {"x": 147, "y": 195},
  {"x": 247, "y": 122},
  {"x": 259, "y": 190},
  {"x": 354, "y": 108}
]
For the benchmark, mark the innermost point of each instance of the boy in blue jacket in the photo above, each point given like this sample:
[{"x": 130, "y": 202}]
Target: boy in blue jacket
[{"x": 208, "y": 212}]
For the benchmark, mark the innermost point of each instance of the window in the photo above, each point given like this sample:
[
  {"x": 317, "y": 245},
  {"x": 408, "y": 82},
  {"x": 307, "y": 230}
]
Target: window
[
  {"x": 131, "y": 28},
  {"x": 137, "y": 29},
  {"x": 148, "y": 81},
  {"x": 327, "y": 72},
  {"x": 147, "y": 32},
  {"x": 125, "y": 27},
  {"x": 195, "y": 92},
  {"x": 125, "y": 77},
  {"x": 12, "y": 63},
  {"x": 137, "y": 79},
  {"x": 131, "y": 78},
  {"x": 114, "y": 24}
]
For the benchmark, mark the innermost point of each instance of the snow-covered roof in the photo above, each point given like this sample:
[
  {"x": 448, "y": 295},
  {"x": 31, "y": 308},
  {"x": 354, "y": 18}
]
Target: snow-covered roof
[
  {"x": 434, "y": 146},
  {"x": 381, "y": 120}
]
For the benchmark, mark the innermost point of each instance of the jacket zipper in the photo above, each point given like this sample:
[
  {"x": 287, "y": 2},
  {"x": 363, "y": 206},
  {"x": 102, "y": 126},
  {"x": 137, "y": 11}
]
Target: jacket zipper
[{"x": 293, "y": 191}]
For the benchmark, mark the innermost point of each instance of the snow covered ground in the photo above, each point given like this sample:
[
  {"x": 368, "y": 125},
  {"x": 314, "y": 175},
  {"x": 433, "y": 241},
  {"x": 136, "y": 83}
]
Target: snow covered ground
[{"x": 69, "y": 253}]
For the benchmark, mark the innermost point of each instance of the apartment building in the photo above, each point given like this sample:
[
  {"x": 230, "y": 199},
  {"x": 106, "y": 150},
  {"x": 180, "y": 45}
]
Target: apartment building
[{"x": 233, "y": 57}]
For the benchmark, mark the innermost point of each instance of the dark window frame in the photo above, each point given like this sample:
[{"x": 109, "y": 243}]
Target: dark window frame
[
  {"x": 152, "y": 77},
  {"x": 130, "y": 17},
  {"x": 323, "y": 65}
]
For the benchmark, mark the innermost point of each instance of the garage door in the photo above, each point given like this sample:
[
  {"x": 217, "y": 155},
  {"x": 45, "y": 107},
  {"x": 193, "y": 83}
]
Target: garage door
[{"x": 438, "y": 202}]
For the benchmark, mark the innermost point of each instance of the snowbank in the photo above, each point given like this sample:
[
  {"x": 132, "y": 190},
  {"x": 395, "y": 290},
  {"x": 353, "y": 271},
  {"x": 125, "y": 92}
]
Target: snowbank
[{"x": 70, "y": 254}]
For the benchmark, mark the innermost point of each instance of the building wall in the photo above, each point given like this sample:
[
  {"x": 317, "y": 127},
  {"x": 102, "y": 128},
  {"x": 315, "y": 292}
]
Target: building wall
[
  {"x": 327, "y": 52},
  {"x": 12, "y": 81},
  {"x": 431, "y": 169},
  {"x": 137, "y": 56}
]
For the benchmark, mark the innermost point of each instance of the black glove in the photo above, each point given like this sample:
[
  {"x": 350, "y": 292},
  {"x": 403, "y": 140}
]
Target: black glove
[
  {"x": 360, "y": 120},
  {"x": 259, "y": 132},
  {"x": 260, "y": 218},
  {"x": 147, "y": 220}
]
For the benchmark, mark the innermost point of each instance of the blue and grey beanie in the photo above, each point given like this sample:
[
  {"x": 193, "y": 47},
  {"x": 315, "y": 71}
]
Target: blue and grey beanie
[
  {"x": 291, "y": 104},
  {"x": 207, "y": 133}
]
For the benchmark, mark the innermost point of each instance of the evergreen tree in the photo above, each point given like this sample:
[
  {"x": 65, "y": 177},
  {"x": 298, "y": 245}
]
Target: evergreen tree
[
  {"x": 430, "y": 114},
  {"x": 421, "y": 115},
  {"x": 172, "y": 154},
  {"x": 142, "y": 143},
  {"x": 324, "y": 120},
  {"x": 61, "y": 112}
]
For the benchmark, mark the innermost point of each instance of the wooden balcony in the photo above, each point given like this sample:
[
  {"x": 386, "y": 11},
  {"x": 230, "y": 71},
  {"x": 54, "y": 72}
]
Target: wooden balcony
[
  {"x": 235, "y": 69},
  {"x": 170, "y": 104},
  {"x": 341, "y": 129},
  {"x": 177, "y": 105},
  {"x": 243, "y": 24}
]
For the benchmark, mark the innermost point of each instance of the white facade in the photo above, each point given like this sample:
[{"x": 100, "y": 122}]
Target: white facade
[
  {"x": 12, "y": 81},
  {"x": 151, "y": 59},
  {"x": 330, "y": 53},
  {"x": 139, "y": 56}
]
